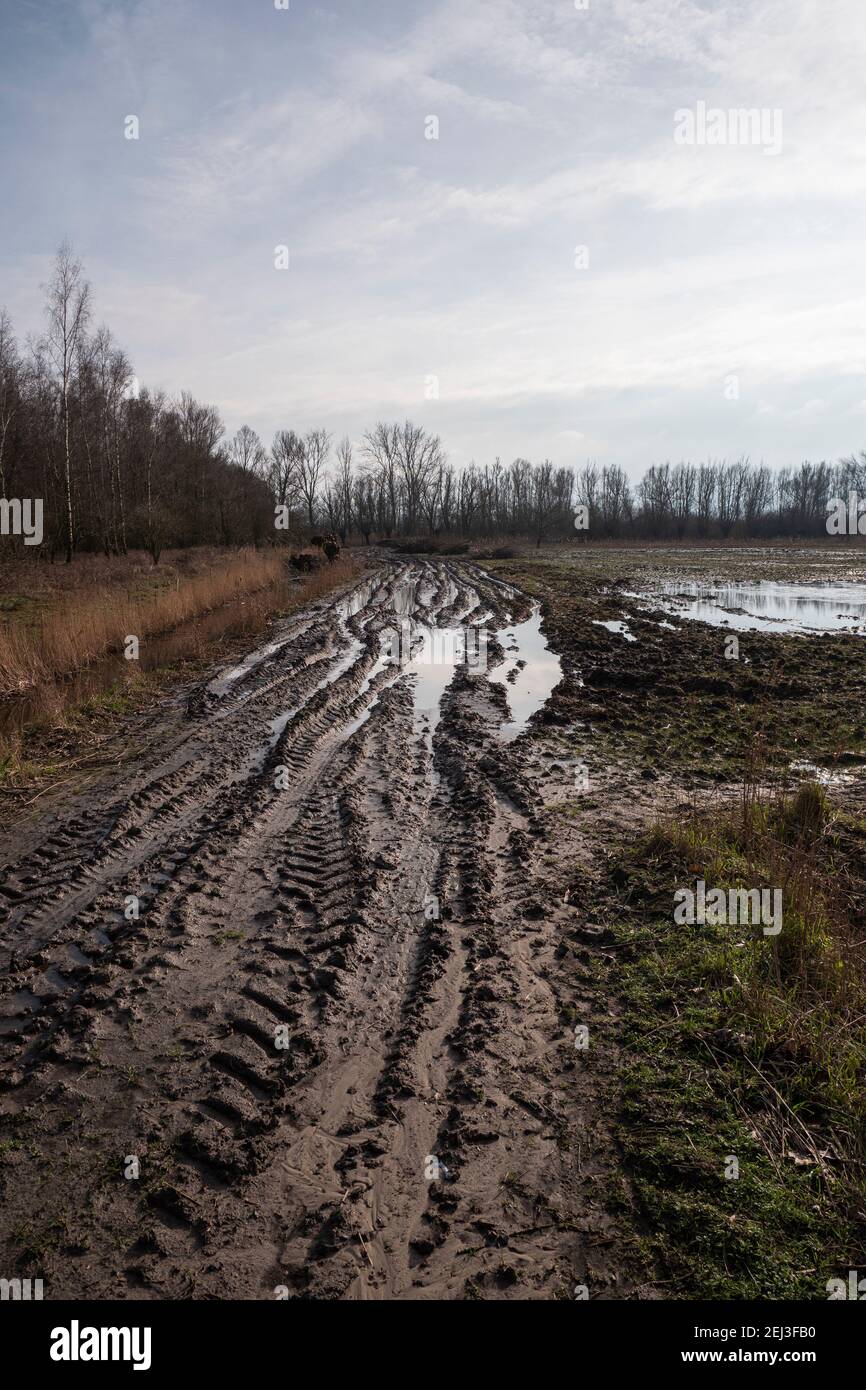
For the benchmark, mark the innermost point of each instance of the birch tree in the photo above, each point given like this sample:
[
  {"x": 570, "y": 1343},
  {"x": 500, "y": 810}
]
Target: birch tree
[{"x": 67, "y": 311}]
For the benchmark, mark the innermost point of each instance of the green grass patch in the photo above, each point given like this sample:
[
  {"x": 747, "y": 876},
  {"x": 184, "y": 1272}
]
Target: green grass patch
[{"x": 739, "y": 1046}]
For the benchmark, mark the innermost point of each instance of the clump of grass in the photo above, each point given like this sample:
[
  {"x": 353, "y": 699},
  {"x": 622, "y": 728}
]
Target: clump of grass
[
  {"x": 803, "y": 991},
  {"x": 323, "y": 580},
  {"x": 749, "y": 1045},
  {"x": 804, "y": 814},
  {"x": 13, "y": 767},
  {"x": 221, "y": 937}
]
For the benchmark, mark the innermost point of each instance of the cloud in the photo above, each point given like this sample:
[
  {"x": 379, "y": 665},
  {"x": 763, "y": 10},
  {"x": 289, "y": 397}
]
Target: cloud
[{"x": 456, "y": 256}]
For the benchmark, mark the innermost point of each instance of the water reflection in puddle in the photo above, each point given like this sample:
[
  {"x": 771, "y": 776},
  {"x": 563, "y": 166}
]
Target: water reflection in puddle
[
  {"x": 767, "y": 606},
  {"x": 413, "y": 646},
  {"x": 534, "y": 670},
  {"x": 431, "y": 655},
  {"x": 442, "y": 650},
  {"x": 616, "y": 625}
]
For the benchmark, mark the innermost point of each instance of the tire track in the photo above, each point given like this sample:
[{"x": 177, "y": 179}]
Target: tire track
[{"x": 334, "y": 895}]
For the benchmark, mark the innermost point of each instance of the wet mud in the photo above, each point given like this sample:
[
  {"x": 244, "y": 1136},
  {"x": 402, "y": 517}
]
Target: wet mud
[{"x": 283, "y": 1010}]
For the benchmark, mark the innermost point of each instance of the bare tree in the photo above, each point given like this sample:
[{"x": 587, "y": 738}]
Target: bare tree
[
  {"x": 246, "y": 452},
  {"x": 544, "y": 499},
  {"x": 344, "y": 486},
  {"x": 113, "y": 375},
  {"x": 520, "y": 483},
  {"x": 431, "y": 497},
  {"x": 381, "y": 447},
  {"x": 587, "y": 495},
  {"x": 419, "y": 455},
  {"x": 155, "y": 408},
  {"x": 467, "y": 499},
  {"x": 730, "y": 478},
  {"x": 311, "y": 465},
  {"x": 10, "y": 388},
  {"x": 654, "y": 491},
  {"x": 757, "y": 495},
  {"x": 682, "y": 489},
  {"x": 68, "y": 311},
  {"x": 614, "y": 499},
  {"x": 447, "y": 495},
  {"x": 286, "y": 454},
  {"x": 706, "y": 494},
  {"x": 364, "y": 503}
]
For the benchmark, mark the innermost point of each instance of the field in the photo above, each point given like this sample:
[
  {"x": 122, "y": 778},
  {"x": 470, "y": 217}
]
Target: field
[{"x": 354, "y": 971}]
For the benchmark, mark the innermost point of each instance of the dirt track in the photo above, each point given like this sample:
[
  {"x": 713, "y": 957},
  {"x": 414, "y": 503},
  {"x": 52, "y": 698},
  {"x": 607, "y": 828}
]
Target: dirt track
[{"x": 344, "y": 967}]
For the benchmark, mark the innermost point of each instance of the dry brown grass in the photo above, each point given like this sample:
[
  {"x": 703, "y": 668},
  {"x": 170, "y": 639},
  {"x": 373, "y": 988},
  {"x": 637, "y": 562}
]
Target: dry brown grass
[
  {"x": 88, "y": 614},
  {"x": 323, "y": 580}
]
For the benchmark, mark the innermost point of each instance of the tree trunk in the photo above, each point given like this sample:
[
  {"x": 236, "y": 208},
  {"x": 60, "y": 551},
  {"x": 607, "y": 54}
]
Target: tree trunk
[{"x": 68, "y": 477}]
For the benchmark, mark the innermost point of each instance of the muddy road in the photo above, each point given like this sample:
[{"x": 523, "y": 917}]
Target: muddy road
[{"x": 281, "y": 1012}]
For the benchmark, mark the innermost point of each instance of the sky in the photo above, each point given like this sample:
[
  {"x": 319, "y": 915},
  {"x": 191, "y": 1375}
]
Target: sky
[{"x": 570, "y": 270}]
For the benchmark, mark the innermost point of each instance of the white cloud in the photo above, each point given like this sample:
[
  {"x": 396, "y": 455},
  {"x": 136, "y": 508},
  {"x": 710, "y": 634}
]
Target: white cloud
[{"x": 456, "y": 256}]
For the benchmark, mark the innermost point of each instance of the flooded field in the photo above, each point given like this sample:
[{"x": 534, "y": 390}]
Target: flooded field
[{"x": 766, "y": 606}]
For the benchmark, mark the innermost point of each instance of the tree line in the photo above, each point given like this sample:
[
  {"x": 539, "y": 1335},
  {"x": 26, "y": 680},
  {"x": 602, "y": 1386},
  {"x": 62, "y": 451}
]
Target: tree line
[
  {"x": 117, "y": 467},
  {"x": 121, "y": 467}
]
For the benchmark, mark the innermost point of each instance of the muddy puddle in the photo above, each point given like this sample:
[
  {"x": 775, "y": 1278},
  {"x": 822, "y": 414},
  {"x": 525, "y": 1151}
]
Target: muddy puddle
[
  {"x": 529, "y": 674},
  {"x": 616, "y": 625},
  {"x": 427, "y": 636},
  {"x": 832, "y": 776},
  {"x": 431, "y": 652},
  {"x": 439, "y": 653},
  {"x": 766, "y": 606}
]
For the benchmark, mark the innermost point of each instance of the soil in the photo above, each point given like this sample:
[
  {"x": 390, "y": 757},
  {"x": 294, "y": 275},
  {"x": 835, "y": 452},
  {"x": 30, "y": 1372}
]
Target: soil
[
  {"x": 327, "y": 1087},
  {"x": 335, "y": 1055}
]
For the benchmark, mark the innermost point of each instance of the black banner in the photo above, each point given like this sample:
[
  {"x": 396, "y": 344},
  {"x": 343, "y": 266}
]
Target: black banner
[{"x": 146, "y": 1337}]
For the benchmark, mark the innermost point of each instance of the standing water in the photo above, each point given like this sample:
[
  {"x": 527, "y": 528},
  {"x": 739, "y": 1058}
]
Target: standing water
[{"x": 767, "y": 606}]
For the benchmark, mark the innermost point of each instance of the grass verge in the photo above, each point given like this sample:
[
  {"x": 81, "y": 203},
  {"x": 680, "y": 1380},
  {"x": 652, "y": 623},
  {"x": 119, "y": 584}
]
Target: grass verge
[
  {"x": 61, "y": 722},
  {"x": 80, "y": 627},
  {"x": 747, "y": 1052}
]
